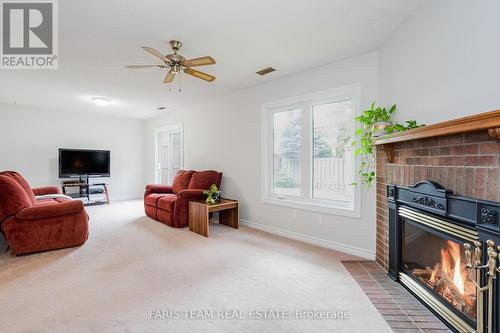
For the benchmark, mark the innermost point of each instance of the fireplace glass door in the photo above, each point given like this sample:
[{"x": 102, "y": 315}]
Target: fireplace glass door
[{"x": 438, "y": 263}]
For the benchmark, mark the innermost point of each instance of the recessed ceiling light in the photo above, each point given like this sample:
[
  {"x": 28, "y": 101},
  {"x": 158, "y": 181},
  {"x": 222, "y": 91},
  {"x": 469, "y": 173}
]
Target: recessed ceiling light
[{"x": 101, "y": 101}]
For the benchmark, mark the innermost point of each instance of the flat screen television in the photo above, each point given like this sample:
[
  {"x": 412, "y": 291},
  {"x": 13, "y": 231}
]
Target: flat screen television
[{"x": 84, "y": 163}]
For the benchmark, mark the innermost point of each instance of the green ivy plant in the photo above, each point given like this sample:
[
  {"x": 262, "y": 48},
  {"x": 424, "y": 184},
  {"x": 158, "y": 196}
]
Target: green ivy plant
[
  {"x": 410, "y": 124},
  {"x": 213, "y": 195},
  {"x": 364, "y": 134}
]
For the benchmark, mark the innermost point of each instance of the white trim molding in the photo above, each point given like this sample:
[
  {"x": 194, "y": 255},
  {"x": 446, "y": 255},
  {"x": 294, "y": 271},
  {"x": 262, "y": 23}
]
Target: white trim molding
[{"x": 353, "y": 250}]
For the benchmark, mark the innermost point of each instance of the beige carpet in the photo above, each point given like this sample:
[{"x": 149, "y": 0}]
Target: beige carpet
[{"x": 132, "y": 266}]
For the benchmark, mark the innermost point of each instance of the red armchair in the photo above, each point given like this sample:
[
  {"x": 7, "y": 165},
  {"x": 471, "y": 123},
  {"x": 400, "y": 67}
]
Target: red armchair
[
  {"x": 169, "y": 204},
  {"x": 30, "y": 225}
]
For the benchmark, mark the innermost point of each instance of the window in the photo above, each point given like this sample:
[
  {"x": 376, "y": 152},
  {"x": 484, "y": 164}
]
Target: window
[
  {"x": 287, "y": 149},
  {"x": 332, "y": 150},
  {"x": 308, "y": 157}
]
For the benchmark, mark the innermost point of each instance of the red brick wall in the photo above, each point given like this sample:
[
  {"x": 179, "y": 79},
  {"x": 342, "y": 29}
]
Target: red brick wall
[{"x": 467, "y": 164}]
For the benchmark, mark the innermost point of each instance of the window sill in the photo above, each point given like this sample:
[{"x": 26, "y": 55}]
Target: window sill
[{"x": 314, "y": 207}]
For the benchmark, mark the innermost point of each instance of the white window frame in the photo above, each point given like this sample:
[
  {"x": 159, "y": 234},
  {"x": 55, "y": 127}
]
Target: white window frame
[{"x": 306, "y": 200}]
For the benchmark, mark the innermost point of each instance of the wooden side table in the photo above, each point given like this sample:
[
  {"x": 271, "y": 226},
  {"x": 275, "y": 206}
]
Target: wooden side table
[{"x": 199, "y": 215}]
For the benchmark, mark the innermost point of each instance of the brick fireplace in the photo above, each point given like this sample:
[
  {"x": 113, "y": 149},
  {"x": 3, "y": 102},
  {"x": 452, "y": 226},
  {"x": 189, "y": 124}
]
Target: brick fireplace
[
  {"x": 438, "y": 227},
  {"x": 467, "y": 164}
]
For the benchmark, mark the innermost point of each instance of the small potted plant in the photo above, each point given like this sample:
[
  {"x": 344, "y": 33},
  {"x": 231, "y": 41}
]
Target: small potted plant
[
  {"x": 377, "y": 119},
  {"x": 213, "y": 195}
]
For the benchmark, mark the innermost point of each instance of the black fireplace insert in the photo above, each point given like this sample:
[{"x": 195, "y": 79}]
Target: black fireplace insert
[{"x": 443, "y": 249}]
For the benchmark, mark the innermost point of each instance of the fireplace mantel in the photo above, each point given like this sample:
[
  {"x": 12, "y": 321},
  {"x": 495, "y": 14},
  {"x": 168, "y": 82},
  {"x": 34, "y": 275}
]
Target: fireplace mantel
[{"x": 489, "y": 121}]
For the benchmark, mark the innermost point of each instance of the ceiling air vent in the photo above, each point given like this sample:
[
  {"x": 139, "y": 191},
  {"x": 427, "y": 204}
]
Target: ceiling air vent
[{"x": 266, "y": 71}]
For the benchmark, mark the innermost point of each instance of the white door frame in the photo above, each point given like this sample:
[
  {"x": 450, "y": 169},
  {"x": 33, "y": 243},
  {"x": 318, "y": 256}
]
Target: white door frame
[{"x": 179, "y": 127}]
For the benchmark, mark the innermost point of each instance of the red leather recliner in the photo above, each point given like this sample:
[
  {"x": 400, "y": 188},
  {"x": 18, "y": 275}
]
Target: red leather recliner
[
  {"x": 30, "y": 225},
  {"x": 170, "y": 204}
]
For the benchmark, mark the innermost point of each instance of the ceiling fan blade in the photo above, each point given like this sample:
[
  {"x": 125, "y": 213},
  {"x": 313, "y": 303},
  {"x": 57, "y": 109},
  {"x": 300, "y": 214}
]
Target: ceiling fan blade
[
  {"x": 201, "y": 61},
  {"x": 169, "y": 78},
  {"x": 200, "y": 75},
  {"x": 155, "y": 53},
  {"x": 144, "y": 66}
]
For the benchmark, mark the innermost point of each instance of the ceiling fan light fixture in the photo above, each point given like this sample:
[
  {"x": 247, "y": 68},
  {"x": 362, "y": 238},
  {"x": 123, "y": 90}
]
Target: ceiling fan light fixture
[
  {"x": 101, "y": 101},
  {"x": 265, "y": 71}
]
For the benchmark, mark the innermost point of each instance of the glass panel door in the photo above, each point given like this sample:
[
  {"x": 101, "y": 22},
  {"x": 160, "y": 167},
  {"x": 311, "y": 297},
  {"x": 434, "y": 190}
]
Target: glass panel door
[
  {"x": 176, "y": 153},
  {"x": 169, "y": 154}
]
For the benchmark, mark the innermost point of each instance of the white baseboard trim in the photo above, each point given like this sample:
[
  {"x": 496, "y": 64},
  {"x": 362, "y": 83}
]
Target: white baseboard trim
[{"x": 312, "y": 240}]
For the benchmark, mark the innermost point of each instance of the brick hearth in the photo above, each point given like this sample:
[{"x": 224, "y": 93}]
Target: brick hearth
[
  {"x": 400, "y": 309},
  {"x": 468, "y": 164}
]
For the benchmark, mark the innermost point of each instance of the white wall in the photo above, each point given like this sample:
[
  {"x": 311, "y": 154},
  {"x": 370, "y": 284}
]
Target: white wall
[
  {"x": 225, "y": 135},
  {"x": 30, "y": 138},
  {"x": 444, "y": 62}
]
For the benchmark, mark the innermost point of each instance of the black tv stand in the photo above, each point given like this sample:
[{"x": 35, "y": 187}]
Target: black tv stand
[{"x": 86, "y": 191}]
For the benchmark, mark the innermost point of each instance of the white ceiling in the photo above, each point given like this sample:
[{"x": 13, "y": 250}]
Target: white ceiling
[{"x": 98, "y": 38}]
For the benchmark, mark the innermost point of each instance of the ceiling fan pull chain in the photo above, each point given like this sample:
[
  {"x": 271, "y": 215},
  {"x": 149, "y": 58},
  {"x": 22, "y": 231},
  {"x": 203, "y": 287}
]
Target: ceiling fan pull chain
[{"x": 180, "y": 81}]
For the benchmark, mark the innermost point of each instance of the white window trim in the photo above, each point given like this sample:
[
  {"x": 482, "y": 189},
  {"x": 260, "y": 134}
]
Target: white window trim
[
  {"x": 326, "y": 207},
  {"x": 167, "y": 129}
]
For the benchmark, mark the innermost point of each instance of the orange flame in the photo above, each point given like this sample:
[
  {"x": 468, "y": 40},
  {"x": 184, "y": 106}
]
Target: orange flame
[
  {"x": 451, "y": 266},
  {"x": 446, "y": 260},
  {"x": 458, "y": 275}
]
